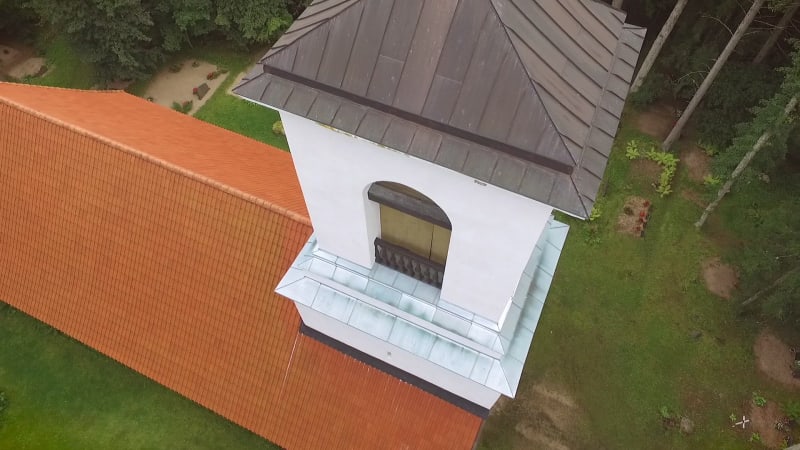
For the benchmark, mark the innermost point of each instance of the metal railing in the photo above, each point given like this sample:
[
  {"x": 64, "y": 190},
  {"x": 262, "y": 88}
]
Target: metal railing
[{"x": 409, "y": 263}]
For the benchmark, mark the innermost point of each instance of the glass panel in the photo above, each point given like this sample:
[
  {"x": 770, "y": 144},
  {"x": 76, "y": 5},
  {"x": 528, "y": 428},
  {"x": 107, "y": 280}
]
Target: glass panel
[
  {"x": 440, "y": 244},
  {"x": 406, "y": 231}
]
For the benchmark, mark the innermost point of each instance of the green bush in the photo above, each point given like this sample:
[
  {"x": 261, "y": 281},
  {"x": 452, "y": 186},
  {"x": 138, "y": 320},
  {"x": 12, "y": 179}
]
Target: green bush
[
  {"x": 759, "y": 400},
  {"x": 3, "y": 405},
  {"x": 792, "y": 410},
  {"x": 277, "y": 128},
  {"x": 183, "y": 107}
]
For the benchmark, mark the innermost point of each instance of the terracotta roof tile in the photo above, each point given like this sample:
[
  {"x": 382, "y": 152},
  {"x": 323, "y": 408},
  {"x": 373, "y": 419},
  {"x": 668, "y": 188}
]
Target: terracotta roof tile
[
  {"x": 174, "y": 277},
  {"x": 208, "y": 151}
]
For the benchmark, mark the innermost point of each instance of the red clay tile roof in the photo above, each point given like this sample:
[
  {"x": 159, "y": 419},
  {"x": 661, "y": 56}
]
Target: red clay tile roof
[
  {"x": 173, "y": 274},
  {"x": 125, "y": 120}
]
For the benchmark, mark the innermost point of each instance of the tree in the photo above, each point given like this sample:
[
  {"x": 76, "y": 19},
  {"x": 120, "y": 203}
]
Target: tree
[
  {"x": 776, "y": 33},
  {"x": 771, "y": 125},
  {"x": 763, "y": 140},
  {"x": 129, "y": 39},
  {"x": 655, "y": 49},
  {"x": 14, "y": 19},
  {"x": 177, "y": 21},
  {"x": 252, "y": 21},
  {"x": 675, "y": 133},
  {"x": 114, "y": 35}
]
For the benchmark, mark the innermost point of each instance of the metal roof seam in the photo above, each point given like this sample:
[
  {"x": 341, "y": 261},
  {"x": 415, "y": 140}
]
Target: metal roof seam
[
  {"x": 408, "y": 52},
  {"x": 492, "y": 89},
  {"x": 572, "y": 37},
  {"x": 350, "y": 53},
  {"x": 439, "y": 60},
  {"x": 461, "y": 82},
  {"x": 533, "y": 83},
  {"x": 311, "y": 27},
  {"x": 603, "y": 5},
  {"x": 593, "y": 126}
]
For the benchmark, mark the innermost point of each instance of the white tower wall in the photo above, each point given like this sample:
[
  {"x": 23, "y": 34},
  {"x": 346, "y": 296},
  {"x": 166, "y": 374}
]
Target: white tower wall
[{"x": 494, "y": 230}]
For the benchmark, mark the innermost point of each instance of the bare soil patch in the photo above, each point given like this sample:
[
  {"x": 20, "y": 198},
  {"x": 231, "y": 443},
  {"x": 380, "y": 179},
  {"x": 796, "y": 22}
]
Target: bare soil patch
[
  {"x": 634, "y": 216},
  {"x": 168, "y": 86},
  {"x": 31, "y": 67},
  {"x": 647, "y": 170},
  {"x": 721, "y": 279},
  {"x": 19, "y": 61},
  {"x": 774, "y": 359},
  {"x": 697, "y": 162},
  {"x": 694, "y": 197},
  {"x": 657, "y": 121},
  {"x": 763, "y": 421},
  {"x": 550, "y": 419},
  {"x": 8, "y": 55}
]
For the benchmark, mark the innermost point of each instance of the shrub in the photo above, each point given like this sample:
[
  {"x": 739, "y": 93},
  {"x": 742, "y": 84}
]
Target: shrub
[
  {"x": 277, "y": 128},
  {"x": 759, "y": 400},
  {"x": 632, "y": 150},
  {"x": 667, "y": 161},
  {"x": 712, "y": 181},
  {"x": 792, "y": 410},
  {"x": 183, "y": 107}
]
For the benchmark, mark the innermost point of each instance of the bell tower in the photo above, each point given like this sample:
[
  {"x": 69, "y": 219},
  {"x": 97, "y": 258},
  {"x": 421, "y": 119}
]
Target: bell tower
[{"x": 433, "y": 139}]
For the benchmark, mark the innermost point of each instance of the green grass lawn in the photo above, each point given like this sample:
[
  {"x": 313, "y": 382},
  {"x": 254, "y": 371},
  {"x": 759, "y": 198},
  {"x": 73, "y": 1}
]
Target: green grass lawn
[
  {"x": 615, "y": 332},
  {"x": 63, "y": 395}
]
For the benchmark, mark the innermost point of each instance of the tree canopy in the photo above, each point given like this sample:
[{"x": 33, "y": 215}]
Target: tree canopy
[{"x": 129, "y": 39}]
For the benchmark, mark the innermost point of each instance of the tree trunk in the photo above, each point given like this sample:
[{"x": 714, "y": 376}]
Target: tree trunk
[
  {"x": 712, "y": 75},
  {"x": 617, "y": 4},
  {"x": 780, "y": 280},
  {"x": 655, "y": 49},
  {"x": 743, "y": 165},
  {"x": 776, "y": 33}
]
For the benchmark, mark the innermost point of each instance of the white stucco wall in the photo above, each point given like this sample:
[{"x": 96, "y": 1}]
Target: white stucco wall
[
  {"x": 407, "y": 361},
  {"x": 494, "y": 230}
]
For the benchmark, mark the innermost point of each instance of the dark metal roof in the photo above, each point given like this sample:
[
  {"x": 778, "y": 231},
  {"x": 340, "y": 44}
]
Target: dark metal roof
[{"x": 522, "y": 94}]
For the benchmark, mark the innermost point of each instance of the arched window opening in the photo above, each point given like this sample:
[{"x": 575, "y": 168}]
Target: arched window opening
[{"x": 415, "y": 232}]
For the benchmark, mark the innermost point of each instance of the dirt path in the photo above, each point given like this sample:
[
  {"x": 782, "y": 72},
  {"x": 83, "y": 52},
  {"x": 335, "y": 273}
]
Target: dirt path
[
  {"x": 774, "y": 359},
  {"x": 721, "y": 279},
  {"x": 697, "y": 163},
  {"x": 549, "y": 419},
  {"x": 19, "y": 61},
  {"x": 763, "y": 419},
  {"x": 168, "y": 87},
  {"x": 657, "y": 120}
]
